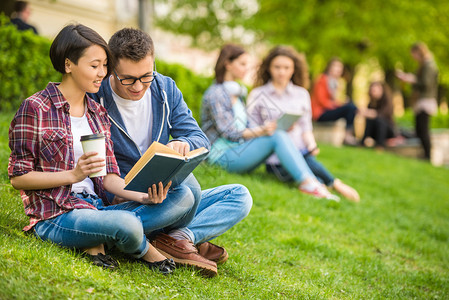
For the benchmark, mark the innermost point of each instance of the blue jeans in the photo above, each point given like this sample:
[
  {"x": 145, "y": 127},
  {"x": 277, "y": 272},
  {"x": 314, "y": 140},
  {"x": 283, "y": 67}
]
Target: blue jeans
[
  {"x": 247, "y": 156},
  {"x": 346, "y": 112},
  {"x": 176, "y": 211},
  {"x": 86, "y": 228},
  {"x": 101, "y": 226},
  {"x": 220, "y": 208},
  {"x": 319, "y": 170}
]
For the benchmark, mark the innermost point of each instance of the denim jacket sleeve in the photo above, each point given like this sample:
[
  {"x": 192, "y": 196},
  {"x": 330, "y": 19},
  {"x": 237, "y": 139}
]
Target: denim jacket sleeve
[{"x": 184, "y": 126}]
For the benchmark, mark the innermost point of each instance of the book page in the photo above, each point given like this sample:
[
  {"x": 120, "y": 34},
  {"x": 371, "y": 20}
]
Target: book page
[
  {"x": 196, "y": 152},
  {"x": 161, "y": 150},
  {"x": 147, "y": 156}
]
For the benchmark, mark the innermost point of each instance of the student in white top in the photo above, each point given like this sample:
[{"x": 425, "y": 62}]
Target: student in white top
[{"x": 281, "y": 79}]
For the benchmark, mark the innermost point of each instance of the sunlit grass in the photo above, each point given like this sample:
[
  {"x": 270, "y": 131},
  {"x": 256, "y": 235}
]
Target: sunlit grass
[{"x": 394, "y": 244}]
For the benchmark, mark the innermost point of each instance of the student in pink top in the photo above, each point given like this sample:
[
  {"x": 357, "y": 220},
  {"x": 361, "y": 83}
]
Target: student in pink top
[
  {"x": 281, "y": 81},
  {"x": 237, "y": 145}
]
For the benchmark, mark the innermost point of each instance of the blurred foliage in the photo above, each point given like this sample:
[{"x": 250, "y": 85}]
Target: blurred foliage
[
  {"x": 191, "y": 85},
  {"x": 25, "y": 68},
  {"x": 407, "y": 121},
  {"x": 354, "y": 30}
]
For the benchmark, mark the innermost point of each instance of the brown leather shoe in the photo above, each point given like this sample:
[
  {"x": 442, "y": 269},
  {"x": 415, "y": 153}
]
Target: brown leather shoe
[
  {"x": 213, "y": 252},
  {"x": 183, "y": 252}
]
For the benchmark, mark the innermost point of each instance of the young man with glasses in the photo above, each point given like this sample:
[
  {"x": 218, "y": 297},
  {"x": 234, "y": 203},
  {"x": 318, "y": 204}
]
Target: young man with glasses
[{"x": 145, "y": 106}]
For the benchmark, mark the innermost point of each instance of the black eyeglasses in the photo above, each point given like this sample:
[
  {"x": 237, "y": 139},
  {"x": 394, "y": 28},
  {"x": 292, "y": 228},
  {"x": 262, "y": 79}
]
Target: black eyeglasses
[{"x": 132, "y": 80}]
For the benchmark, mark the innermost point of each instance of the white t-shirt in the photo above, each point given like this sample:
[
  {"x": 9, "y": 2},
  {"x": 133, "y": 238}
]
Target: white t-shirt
[
  {"x": 137, "y": 116},
  {"x": 80, "y": 127}
]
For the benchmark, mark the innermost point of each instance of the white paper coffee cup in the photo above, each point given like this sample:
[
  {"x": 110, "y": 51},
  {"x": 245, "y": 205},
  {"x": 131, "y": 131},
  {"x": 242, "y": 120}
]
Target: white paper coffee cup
[{"x": 96, "y": 143}]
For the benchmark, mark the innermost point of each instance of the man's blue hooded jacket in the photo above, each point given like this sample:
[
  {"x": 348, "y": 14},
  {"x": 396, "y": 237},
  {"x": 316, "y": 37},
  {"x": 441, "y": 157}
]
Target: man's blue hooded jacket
[{"x": 171, "y": 117}]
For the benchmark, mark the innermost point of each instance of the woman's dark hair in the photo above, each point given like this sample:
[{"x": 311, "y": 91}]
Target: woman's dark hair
[
  {"x": 385, "y": 102},
  {"x": 228, "y": 53},
  {"x": 301, "y": 72},
  {"x": 71, "y": 42},
  {"x": 331, "y": 62},
  {"x": 130, "y": 43}
]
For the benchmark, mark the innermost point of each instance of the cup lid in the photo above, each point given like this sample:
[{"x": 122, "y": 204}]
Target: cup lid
[{"x": 92, "y": 137}]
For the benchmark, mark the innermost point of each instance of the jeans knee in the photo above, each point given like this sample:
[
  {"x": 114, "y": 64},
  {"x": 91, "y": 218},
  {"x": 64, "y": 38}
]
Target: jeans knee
[
  {"x": 243, "y": 198},
  {"x": 129, "y": 230},
  {"x": 193, "y": 185},
  {"x": 189, "y": 198},
  {"x": 183, "y": 197}
]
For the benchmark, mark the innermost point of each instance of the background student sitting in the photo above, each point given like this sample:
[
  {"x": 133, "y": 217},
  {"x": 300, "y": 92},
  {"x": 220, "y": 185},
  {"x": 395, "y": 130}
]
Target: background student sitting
[{"x": 282, "y": 80}]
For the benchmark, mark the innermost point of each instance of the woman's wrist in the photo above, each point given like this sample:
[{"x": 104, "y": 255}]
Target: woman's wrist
[{"x": 250, "y": 133}]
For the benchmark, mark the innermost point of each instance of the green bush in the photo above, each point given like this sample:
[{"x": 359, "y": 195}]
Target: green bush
[
  {"x": 25, "y": 66},
  {"x": 191, "y": 85},
  {"x": 438, "y": 121}
]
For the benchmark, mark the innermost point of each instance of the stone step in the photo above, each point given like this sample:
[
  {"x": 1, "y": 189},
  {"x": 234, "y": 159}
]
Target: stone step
[{"x": 331, "y": 133}]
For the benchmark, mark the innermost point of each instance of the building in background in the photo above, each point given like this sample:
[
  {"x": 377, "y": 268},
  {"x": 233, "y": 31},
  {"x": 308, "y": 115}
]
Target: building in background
[
  {"x": 108, "y": 16},
  {"x": 105, "y": 16}
]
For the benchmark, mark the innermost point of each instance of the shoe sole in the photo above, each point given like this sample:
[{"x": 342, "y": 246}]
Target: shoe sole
[{"x": 205, "y": 269}]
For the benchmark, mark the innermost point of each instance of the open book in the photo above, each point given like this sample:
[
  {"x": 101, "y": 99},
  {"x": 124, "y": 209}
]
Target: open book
[
  {"x": 287, "y": 120},
  {"x": 162, "y": 164}
]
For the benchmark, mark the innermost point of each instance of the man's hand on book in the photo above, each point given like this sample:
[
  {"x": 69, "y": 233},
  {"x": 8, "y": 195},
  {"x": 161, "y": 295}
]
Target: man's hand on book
[
  {"x": 156, "y": 194},
  {"x": 181, "y": 147}
]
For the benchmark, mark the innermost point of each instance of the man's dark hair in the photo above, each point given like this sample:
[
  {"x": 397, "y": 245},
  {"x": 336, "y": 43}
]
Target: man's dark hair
[
  {"x": 20, "y": 6},
  {"x": 71, "y": 42},
  {"x": 131, "y": 43}
]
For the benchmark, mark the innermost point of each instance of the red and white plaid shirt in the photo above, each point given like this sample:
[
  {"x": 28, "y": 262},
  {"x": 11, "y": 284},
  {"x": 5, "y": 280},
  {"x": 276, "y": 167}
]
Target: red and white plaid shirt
[{"x": 40, "y": 138}]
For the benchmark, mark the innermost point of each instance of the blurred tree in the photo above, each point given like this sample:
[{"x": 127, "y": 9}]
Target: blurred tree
[
  {"x": 7, "y": 7},
  {"x": 353, "y": 29},
  {"x": 145, "y": 14}
]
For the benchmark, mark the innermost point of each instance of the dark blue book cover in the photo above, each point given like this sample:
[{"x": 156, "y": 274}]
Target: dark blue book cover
[{"x": 161, "y": 165}]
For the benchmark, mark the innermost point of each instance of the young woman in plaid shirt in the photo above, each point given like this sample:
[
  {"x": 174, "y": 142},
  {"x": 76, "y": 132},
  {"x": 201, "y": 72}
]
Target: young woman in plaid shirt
[{"x": 49, "y": 168}]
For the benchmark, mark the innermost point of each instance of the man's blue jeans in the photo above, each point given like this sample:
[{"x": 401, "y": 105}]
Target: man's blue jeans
[
  {"x": 201, "y": 215},
  {"x": 123, "y": 225},
  {"x": 220, "y": 209},
  {"x": 176, "y": 211}
]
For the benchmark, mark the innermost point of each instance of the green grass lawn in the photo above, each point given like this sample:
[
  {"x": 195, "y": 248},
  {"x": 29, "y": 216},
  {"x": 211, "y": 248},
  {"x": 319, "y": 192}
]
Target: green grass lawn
[{"x": 394, "y": 244}]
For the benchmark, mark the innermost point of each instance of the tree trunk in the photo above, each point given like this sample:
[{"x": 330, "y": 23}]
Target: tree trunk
[
  {"x": 146, "y": 11},
  {"x": 390, "y": 79},
  {"x": 348, "y": 75}
]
